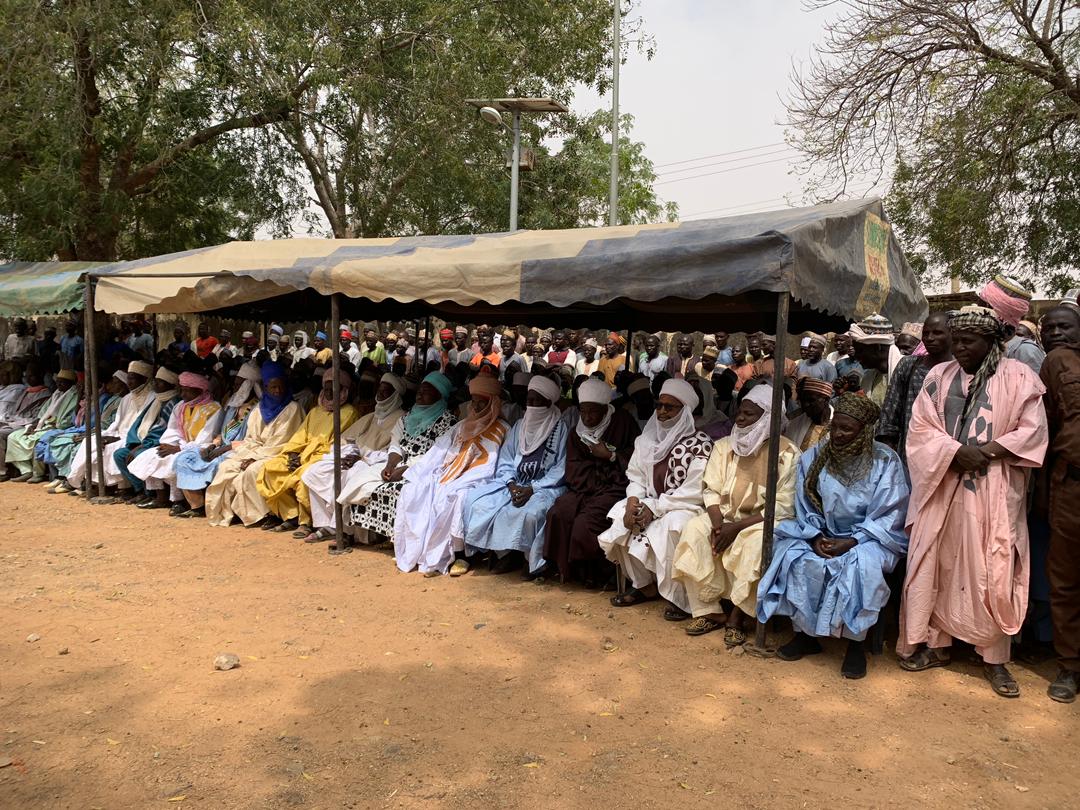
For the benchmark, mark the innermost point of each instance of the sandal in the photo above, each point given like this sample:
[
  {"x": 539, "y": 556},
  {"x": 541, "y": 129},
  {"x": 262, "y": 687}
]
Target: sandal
[
  {"x": 199, "y": 512},
  {"x": 459, "y": 568},
  {"x": 675, "y": 614},
  {"x": 302, "y": 531},
  {"x": 1001, "y": 680},
  {"x": 926, "y": 658},
  {"x": 734, "y": 637},
  {"x": 284, "y": 526},
  {"x": 319, "y": 536},
  {"x": 702, "y": 625},
  {"x": 632, "y": 597}
]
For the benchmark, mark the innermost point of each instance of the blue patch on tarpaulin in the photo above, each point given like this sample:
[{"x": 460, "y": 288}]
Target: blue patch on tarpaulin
[{"x": 692, "y": 260}]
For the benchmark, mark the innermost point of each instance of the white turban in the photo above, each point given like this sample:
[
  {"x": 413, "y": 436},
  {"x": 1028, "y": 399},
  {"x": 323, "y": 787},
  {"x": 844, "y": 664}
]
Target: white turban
[
  {"x": 141, "y": 367},
  {"x": 595, "y": 391},
  {"x": 682, "y": 391},
  {"x": 546, "y": 387},
  {"x": 747, "y": 441},
  {"x": 170, "y": 377},
  {"x": 121, "y": 376}
]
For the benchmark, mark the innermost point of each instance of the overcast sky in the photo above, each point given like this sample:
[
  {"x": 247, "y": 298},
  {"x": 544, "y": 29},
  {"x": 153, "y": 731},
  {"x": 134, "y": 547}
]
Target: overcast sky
[{"x": 716, "y": 87}]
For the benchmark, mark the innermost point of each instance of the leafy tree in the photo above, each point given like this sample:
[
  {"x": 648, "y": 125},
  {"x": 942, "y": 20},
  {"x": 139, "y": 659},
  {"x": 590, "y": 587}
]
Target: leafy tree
[
  {"x": 976, "y": 106},
  {"x": 392, "y": 148},
  {"x": 139, "y": 126}
]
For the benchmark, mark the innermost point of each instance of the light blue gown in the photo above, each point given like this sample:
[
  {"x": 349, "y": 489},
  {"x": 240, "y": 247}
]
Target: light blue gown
[
  {"x": 193, "y": 472},
  {"x": 842, "y": 596},
  {"x": 492, "y": 523}
]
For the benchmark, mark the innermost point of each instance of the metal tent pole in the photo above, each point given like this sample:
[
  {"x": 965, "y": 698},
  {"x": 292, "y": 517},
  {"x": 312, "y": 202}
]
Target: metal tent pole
[
  {"x": 88, "y": 391},
  {"x": 773, "y": 473},
  {"x": 335, "y": 369},
  {"x": 92, "y": 380}
]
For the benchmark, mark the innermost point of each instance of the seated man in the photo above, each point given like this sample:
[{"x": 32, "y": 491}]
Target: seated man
[
  {"x": 811, "y": 424},
  {"x": 144, "y": 435},
  {"x": 27, "y": 408},
  {"x": 507, "y": 514},
  {"x": 233, "y": 492},
  {"x": 192, "y": 424},
  {"x": 279, "y": 477},
  {"x": 428, "y": 526},
  {"x": 57, "y": 414},
  {"x": 830, "y": 561},
  {"x": 59, "y": 450},
  {"x": 131, "y": 405},
  {"x": 197, "y": 464},
  {"x": 598, "y": 452},
  {"x": 11, "y": 387},
  {"x": 370, "y": 488},
  {"x": 719, "y": 555},
  {"x": 369, "y": 434},
  {"x": 664, "y": 493}
]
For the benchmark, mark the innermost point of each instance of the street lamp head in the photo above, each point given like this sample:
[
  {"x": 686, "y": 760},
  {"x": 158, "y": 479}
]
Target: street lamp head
[{"x": 492, "y": 116}]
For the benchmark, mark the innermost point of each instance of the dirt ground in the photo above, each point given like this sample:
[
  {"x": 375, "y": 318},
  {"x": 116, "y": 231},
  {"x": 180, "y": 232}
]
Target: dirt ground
[{"x": 363, "y": 687}]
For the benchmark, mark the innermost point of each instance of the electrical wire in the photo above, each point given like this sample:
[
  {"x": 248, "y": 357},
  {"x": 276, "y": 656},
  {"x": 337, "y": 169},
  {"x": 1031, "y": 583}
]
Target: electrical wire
[{"x": 719, "y": 154}]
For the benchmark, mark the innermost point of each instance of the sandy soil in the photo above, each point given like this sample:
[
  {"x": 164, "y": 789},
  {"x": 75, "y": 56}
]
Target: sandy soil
[{"x": 363, "y": 687}]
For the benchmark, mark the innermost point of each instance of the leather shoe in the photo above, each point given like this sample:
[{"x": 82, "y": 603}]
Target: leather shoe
[{"x": 1065, "y": 686}]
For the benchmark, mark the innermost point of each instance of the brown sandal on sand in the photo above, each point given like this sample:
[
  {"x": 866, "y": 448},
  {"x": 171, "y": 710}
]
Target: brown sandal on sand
[{"x": 926, "y": 658}]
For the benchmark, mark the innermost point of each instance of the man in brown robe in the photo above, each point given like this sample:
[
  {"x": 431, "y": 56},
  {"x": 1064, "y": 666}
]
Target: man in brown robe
[
  {"x": 597, "y": 455},
  {"x": 1061, "y": 375}
]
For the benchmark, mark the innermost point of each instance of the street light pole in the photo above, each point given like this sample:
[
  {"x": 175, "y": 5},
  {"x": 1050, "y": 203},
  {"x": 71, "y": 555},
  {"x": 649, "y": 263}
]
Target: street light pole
[
  {"x": 613, "y": 200},
  {"x": 491, "y": 111},
  {"x": 515, "y": 169}
]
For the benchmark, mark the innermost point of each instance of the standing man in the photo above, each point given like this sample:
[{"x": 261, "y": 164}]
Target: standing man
[
  {"x": 348, "y": 348},
  {"x": 724, "y": 355},
  {"x": 614, "y": 358},
  {"x": 179, "y": 345},
  {"x": 225, "y": 347},
  {"x": 141, "y": 342},
  {"x": 684, "y": 360},
  {"x": 205, "y": 343},
  {"x": 1060, "y": 372},
  {"x": 373, "y": 350},
  {"x": 20, "y": 343},
  {"x": 873, "y": 339},
  {"x": 71, "y": 347},
  {"x": 1010, "y": 301},
  {"x": 814, "y": 365},
  {"x": 705, "y": 367},
  {"x": 561, "y": 354},
  {"x": 652, "y": 361},
  {"x": 907, "y": 382},
  {"x": 977, "y": 428},
  {"x": 844, "y": 356},
  {"x": 461, "y": 353},
  {"x": 512, "y": 362}
]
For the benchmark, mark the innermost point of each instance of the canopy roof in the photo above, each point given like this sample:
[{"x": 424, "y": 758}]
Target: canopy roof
[
  {"x": 840, "y": 259},
  {"x": 42, "y": 288}
]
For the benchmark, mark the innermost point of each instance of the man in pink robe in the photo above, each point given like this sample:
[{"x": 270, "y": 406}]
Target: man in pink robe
[{"x": 977, "y": 428}]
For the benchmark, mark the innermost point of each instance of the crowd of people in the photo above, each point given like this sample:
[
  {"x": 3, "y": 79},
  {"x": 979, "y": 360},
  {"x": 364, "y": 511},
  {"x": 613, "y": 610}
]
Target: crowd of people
[{"x": 930, "y": 471}]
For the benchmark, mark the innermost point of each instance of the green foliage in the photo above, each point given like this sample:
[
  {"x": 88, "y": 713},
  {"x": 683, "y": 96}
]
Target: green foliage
[
  {"x": 136, "y": 127},
  {"x": 976, "y": 106}
]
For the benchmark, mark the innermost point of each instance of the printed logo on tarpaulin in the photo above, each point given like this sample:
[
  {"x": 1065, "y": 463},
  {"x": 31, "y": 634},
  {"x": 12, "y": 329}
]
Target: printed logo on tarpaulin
[{"x": 876, "y": 234}]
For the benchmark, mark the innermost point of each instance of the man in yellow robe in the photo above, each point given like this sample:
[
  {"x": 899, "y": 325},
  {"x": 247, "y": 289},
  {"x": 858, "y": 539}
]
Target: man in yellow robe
[{"x": 279, "y": 477}]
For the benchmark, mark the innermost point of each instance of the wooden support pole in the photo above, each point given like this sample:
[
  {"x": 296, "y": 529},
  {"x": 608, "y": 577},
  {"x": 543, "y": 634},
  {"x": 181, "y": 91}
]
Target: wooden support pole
[
  {"x": 335, "y": 369},
  {"x": 92, "y": 381},
  {"x": 773, "y": 472},
  {"x": 88, "y": 391}
]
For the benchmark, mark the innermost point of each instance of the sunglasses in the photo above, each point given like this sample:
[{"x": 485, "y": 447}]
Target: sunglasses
[{"x": 667, "y": 406}]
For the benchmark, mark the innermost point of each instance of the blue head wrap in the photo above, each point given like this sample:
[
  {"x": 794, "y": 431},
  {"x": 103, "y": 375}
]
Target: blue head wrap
[{"x": 270, "y": 406}]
